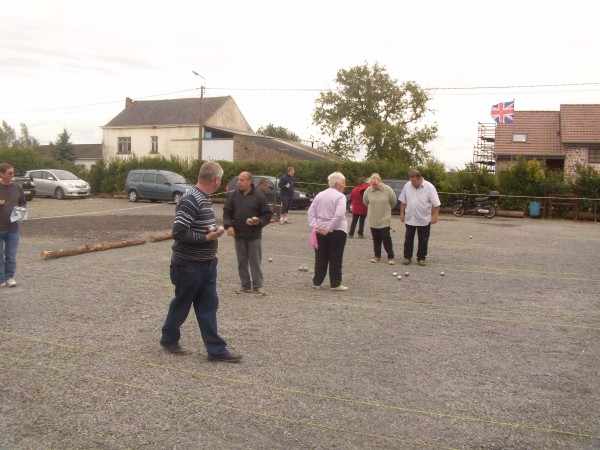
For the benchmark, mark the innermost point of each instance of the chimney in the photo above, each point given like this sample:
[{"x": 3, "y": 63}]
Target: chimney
[{"x": 128, "y": 102}]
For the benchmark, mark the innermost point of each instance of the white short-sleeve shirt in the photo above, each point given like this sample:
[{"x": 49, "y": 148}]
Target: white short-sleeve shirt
[{"x": 419, "y": 202}]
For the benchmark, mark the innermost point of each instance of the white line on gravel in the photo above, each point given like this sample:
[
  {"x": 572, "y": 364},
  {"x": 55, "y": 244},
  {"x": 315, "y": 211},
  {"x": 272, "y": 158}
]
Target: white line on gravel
[{"x": 92, "y": 213}]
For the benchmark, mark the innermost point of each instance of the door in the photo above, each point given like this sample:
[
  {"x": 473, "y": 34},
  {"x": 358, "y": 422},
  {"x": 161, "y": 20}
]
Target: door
[
  {"x": 147, "y": 185},
  {"x": 162, "y": 190}
]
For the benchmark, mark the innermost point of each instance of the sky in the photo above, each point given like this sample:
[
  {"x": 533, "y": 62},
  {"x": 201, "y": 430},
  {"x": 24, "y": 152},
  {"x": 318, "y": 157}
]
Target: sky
[{"x": 70, "y": 64}]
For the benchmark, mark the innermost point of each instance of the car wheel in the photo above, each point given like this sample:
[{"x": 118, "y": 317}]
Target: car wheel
[
  {"x": 30, "y": 198},
  {"x": 176, "y": 197},
  {"x": 59, "y": 194},
  {"x": 132, "y": 196}
]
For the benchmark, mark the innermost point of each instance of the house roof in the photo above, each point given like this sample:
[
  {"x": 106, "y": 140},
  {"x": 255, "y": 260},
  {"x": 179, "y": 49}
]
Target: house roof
[
  {"x": 82, "y": 151},
  {"x": 543, "y": 134},
  {"x": 580, "y": 124},
  {"x": 182, "y": 111}
]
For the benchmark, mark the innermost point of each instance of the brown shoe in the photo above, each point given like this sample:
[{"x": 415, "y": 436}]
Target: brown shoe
[
  {"x": 227, "y": 357},
  {"x": 176, "y": 349}
]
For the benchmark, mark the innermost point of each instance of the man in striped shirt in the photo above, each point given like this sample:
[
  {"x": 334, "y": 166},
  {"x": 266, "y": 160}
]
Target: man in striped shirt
[{"x": 194, "y": 268}]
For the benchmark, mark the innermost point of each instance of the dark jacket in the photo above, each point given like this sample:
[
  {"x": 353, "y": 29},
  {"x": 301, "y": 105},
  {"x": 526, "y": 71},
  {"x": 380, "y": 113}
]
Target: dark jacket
[
  {"x": 285, "y": 179},
  {"x": 239, "y": 207}
]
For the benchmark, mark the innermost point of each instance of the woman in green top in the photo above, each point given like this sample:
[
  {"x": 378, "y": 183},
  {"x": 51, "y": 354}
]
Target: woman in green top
[{"x": 380, "y": 199}]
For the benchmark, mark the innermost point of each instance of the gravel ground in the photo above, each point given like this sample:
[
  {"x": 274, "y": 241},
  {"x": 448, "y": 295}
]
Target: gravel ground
[{"x": 501, "y": 352}]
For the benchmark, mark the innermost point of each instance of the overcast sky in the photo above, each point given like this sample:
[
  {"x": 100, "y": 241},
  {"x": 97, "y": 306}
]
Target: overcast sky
[{"x": 70, "y": 64}]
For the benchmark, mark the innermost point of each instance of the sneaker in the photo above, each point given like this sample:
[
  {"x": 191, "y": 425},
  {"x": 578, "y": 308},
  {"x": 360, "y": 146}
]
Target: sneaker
[
  {"x": 421, "y": 262},
  {"x": 11, "y": 282},
  {"x": 360, "y": 236},
  {"x": 3, "y": 284},
  {"x": 407, "y": 261},
  {"x": 281, "y": 221},
  {"x": 227, "y": 357},
  {"x": 316, "y": 286},
  {"x": 391, "y": 262},
  {"x": 243, "y": 291},
  {"x": 176, "y": 349},
  {"x": 340, "y": 288},
  {"x": 260, "y": 291},
  {"x": 375, "y": 260},
  {"x": 350, "y": 236}
]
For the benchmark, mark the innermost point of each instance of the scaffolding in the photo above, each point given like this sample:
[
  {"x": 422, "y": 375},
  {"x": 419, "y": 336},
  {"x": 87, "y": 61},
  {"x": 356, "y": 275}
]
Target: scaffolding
[{"x": 483, "y": 152}]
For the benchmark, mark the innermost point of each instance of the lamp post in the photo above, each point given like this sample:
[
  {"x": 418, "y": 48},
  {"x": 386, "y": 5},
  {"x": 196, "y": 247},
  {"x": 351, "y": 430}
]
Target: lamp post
[{"x": 200, "y": 124}]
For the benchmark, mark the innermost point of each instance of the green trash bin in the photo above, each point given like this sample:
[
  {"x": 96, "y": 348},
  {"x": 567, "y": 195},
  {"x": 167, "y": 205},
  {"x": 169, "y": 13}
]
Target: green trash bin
[{"x": 534, "y": 209}]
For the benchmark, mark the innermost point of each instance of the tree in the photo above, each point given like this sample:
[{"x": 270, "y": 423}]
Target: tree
[
  {"x": 278, "y": 132},
  {"x": 7, "y": 135},
  {"x": 370, "y": 111},
  {"x": 63, "y": 150},
  {"x": 25, "y": 140}
]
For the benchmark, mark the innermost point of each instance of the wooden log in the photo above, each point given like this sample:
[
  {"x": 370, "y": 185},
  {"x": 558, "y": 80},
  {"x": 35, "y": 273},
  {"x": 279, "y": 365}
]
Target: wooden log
[
  {"x": 52, "y": 254},
  {"x": 160, "y": 237}
]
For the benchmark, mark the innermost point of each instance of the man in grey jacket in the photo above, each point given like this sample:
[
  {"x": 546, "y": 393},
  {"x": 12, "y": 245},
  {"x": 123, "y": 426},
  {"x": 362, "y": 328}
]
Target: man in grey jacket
[{"x": 245, "y": 213}]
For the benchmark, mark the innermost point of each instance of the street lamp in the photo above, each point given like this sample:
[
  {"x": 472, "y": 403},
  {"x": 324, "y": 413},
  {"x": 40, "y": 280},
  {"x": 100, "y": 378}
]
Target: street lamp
[{"x": 200, "y": 134}]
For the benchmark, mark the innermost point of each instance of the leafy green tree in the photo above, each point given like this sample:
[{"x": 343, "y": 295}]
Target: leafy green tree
[
  {"x": 371, "y": 111},
  {"x": 63, "y": 149},
  {"x": 278, "y": 132},
  {"x": 7, "y": 135},
  {"x": 25, "y": 140}
]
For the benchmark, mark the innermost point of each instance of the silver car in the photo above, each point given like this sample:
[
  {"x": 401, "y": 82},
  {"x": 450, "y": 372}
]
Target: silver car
[{"x": 58, "y": 183}]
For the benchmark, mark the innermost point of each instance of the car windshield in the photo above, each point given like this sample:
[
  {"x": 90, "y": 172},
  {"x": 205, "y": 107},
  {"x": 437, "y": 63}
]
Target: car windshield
[
  {"x": 64, "y": 175},
  {"x": 175, "y": 178}
]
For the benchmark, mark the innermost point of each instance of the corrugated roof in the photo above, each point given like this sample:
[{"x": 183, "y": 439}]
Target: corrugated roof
[
  {"x": 580, "y": 124},
  {"x": 543, "y": 134},
  {"x": 82, "y": 151},
  {"x": 182, "y": 111},
  {"x": 294, "y": 149}
]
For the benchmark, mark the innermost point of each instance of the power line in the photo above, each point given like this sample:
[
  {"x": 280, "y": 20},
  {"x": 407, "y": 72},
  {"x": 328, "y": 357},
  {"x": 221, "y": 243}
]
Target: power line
[{"x": 466, "y": 88}]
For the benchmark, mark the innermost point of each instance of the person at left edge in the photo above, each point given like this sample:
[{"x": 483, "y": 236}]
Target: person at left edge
[
  {"x": 194, "y": 268},
  {"x": 245, "y": 213},
  {"x": 11, "y": 195}
]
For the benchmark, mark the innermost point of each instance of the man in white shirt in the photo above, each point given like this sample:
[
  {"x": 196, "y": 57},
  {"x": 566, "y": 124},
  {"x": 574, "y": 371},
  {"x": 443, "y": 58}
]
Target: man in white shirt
[{"x": 419, "y": 208}]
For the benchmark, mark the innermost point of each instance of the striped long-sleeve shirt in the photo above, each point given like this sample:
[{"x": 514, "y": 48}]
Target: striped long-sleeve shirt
[{"x": 193, "y": 218}]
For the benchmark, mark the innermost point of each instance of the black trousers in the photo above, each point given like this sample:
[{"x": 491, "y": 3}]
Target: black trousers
[
  {"x": 382, "y": 235},
  {"x": 360, "y": 218},
  {"x": 409, "y": 241},
  {"x": 330, "y": 253}
]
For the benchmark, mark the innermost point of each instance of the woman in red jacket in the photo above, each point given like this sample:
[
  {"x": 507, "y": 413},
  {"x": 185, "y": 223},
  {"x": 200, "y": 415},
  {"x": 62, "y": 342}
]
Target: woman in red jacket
[{"x": 359, "y": 210}]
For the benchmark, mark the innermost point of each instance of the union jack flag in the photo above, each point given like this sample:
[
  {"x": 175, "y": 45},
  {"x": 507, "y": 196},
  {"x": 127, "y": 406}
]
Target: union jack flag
[{"x": 504, "y": 112}]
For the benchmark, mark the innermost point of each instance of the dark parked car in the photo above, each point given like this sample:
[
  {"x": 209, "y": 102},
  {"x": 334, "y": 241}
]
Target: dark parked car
[
  {"x": 396, "y": 185},
  {"x": 28, "y": 186},
  {"x": 302, "y": 199},
  {"x": 155, "y": 185}
]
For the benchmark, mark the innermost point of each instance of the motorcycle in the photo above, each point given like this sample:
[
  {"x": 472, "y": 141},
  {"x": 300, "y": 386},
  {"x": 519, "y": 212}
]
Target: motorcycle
[{"x": 483, "y": 205}]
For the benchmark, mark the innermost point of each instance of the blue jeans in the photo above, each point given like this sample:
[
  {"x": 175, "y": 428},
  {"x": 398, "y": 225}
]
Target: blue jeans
[
  {"x": 9, "y": 241},
  {"x": 195, "y": 284}
]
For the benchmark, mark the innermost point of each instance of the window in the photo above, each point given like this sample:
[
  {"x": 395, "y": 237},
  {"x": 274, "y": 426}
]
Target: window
[
  {"x": 124, "y": 145},
  {"x": 149, "y": 178},
  {"x": 154, "y": 144},
  {"x": 519, "y": 138},
  {"x": 161, "y": 179},
  {"x": 594, "y": 155}
]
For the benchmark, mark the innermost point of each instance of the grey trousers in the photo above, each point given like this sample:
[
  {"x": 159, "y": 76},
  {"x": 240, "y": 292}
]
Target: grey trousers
[{"x": 249, "y": 256}]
